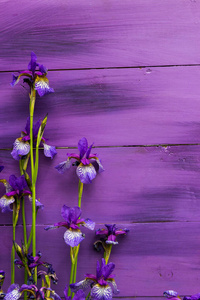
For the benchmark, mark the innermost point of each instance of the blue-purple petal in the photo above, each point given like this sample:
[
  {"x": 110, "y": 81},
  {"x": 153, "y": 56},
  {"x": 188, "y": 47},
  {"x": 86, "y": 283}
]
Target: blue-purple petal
[
  {"x": 42, "y": 69},
  {"x": 63, "y": 166},
  {"x": 38, "y": 204},
  {"x": 73, "y": 237},
  {"x": 99, "y": 292},
  {"x": 74, "y": 214},
  {"x": 81, "y": 285},
  {"x": 20, "y": 148},
  {"x": 89, "y": 224},
  {"x": 5, "y": 203},
  {"x": 13, "y": 292},
  {"x": 33, "y": 63},
  {"x": 42, "y": 86},
  {"x": 170, "y": 294},
  {"x": 107, "y": 270},
  {"x": 80, "y": 295},
  {"x": 86, "y": 173},
  {"x": 49, "y": 151},
  {"x": 14, "y": 80},
  {"x": 82, "y": 146},
  {"x": 113, "y": 285}
]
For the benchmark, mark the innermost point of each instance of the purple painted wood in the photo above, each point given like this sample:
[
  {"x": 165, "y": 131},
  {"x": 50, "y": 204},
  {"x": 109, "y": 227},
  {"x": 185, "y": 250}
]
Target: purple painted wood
[
  {"x": 138, "y": 185},
  {"x": 114, "y": 33},
  {"x": 111, "y": 107},
  {"x": 153, "y": 257}
]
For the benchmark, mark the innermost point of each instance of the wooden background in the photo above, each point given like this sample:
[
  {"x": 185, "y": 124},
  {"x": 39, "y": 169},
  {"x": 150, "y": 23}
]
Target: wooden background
[{"x": 126, "y": 76}]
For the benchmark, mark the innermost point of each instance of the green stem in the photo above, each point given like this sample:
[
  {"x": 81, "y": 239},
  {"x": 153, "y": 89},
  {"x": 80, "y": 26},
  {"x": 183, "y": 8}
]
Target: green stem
[
  {"x": 72, "y": 269},
  {"x": 32, "y": 105},
  {"x": 13, "y": 252},
  {"x": 80, "y": 192}
]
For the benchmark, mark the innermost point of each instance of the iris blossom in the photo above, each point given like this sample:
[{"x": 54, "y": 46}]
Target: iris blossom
[
  {"x": 72, "y": 236},
  {"x": 103, "y": 285},
  {"x": 21, "y": 146},
  {"x": 170, "y": 294},
  {"x": 111, "y": 233},
  {"x": 15, "y": 292},
  {"x": 15, "y": 190},
  {"x": 87, "y": 164},
  {"x": 35, "y": 76}
]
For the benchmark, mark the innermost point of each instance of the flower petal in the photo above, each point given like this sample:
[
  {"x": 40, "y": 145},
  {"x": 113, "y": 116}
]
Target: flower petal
[
  {"x": 74, "y": 214},
  {"x": 42, "y": 86},
  {"x": 82, "y": 146},
  {"x": 81, "y": 285},
  {"x": 7, "y": 185},
  {"x": 89, "y": 224},
  {"x": 80, "y": 295},
  {"x": 5, "y": 203},
  {"x": 86, "y": 173},
  {"x": 113, "y": 285},
  {"x": 38, "y": 204},
  {"x": 107, "y": 270},
  {"x": 99, "y": 292},
  {"x": 13, "y": 292},
  {"x": 49, "y": 151},
  {"x": 33, "y": 63},
  {"x": 20, "y": 148},
  {"x": 73, "y": 237},
  {"x": 111, "y": 239},
  {"x": 65, "y": 212},
  {"x": 170, "y": 293},
  {"x": 63, "y": 166}
]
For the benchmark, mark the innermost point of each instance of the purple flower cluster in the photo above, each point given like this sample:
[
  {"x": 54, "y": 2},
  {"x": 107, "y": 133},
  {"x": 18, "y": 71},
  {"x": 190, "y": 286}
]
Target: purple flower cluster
[{"x": 110, "y": 233}]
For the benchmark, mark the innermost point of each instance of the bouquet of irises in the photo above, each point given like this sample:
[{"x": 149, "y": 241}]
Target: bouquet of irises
[{"x": 100, "y": 286}]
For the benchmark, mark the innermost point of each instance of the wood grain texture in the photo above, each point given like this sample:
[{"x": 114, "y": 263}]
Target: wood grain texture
[
  {"x": 111, "y": 107},
  {"x": 90, "y": 34},
  {"x": 149, "y": 260},
  {"x": 138, "y": 185}
]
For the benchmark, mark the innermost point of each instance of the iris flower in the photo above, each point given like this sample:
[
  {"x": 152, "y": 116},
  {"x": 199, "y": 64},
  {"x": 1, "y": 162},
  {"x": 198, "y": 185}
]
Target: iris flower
[
  {"x": 15, "y": 292},
  {"x": 103, "y": 285},
  {"x": 72, "y": 236},
  {"x": 87, "y": 164},
  {"x": 15, "y": 190},
  {"x": 111, "y": 233},
  {"x": 35, "y": 76},
  {"x": 21, "y": 146}
]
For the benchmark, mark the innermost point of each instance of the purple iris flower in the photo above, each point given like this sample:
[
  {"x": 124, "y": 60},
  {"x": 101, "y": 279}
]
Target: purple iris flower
[
  {"x": 103, "y": 285},
  {"x": 72, "y": 236},
  {"x": 87, "y": 164},
  {"x": 21, "y": 146},
  {"x": 15, "y": 189},
  {"x": 15, "y": 292},
  {"x": 111, "y": 233},
  {"x": 35, "y": 76},
  {"x": 170, "y": 294}
]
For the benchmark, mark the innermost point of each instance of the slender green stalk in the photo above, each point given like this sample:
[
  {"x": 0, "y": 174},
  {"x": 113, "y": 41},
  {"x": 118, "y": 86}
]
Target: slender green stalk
[
  {"x": 32, "y": 105},
  {"x": 13, "y": 250},
  {"x": 80, "y": 193}
]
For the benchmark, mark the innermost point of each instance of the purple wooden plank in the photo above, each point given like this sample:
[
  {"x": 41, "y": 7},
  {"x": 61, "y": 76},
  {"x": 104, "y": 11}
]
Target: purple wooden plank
[
  {"x": 153, "y": 257},
  {"x": 99, "y": 34},
  {"x": 110, "y": 107},
  {"x": 138, "y": 185}
]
